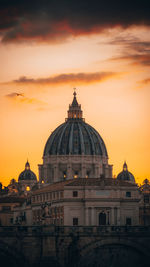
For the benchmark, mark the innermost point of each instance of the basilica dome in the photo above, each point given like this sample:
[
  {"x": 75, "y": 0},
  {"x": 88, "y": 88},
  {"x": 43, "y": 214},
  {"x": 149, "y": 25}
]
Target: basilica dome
[
  {"x": 125, "y": 175},
  {"x": 75, "y": 136},
  {"x": 27, "y": 174}
]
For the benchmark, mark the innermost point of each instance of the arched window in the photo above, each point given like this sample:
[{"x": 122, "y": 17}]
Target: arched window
[{"x": 102, "y": 218}]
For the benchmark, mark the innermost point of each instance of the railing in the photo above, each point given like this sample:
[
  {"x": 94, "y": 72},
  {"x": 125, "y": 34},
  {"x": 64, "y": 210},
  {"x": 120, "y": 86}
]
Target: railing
[{"x": 71, "y": 230}]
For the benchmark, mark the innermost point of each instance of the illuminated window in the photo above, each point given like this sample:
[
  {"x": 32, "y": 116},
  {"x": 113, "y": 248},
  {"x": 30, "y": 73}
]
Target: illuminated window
[
  {"x": 76, "y": 175},
  {"x": 87, "y": 175},
  {"x": 28, "y": 188},
  {"x": 42, "y": 181},
  {"x": 64, "y": 175}
]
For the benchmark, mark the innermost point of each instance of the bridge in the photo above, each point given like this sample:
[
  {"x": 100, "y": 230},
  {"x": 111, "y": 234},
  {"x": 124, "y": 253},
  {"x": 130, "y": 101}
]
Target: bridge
[{"x": 64, "y": 246}]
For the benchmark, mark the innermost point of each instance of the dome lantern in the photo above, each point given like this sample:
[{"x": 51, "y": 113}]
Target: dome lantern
[
  {"x": 27, "y": 166},
  {"x": 125, "y": 167},
  {"x": 74, "y": 111}
]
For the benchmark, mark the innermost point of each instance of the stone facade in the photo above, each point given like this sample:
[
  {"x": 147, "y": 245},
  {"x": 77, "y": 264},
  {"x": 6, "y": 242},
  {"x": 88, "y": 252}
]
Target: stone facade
[
  {"x": 88, "y": 202},
  {"x": 59, "y": 168}
]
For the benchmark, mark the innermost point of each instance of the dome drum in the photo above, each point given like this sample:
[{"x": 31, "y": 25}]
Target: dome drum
[{"x": 56, "y": 168}]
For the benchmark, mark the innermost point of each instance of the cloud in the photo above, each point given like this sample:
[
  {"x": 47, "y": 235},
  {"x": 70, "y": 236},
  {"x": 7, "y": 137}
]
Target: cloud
[
  {"x": 21, "y": 98},
  {"x": 56, "y": 21},
  {"x": 132, "y": 49},
  {"x": 71, "y": 78},
  {"x": 14, "y": 95},
  {"x": 135, "y": 59},
  {"x": 144, "y": 82}
]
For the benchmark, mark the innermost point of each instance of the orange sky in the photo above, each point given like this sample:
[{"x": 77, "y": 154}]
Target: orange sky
[{"x": 111, "y": 73}]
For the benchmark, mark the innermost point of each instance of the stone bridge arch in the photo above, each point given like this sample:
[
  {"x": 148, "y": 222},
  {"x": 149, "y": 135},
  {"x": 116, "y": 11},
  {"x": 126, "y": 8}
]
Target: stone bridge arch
[
  {"x": 10, "y": 256},
  {"x": 114, "y": 252}
]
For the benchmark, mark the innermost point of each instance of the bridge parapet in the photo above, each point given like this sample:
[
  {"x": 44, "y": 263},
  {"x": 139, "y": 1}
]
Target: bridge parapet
[
  {"x": 67, "y": 230},
  {"x": 66, "y": 244}
]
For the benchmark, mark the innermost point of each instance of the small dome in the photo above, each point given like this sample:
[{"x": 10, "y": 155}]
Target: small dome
[
  {"x": 75, "y": 137},
  {"x": 27, "y": 174},
  {"x": 125, "y": 175}
]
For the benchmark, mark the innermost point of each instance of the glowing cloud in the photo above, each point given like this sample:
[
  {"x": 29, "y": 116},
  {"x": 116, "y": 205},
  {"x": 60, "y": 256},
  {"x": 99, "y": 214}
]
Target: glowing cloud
[{"x": 81, "y": 78}]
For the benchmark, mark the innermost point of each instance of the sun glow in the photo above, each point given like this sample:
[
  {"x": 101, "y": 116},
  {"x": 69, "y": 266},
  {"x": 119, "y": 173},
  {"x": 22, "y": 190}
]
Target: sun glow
[{"x": 107, "y": 75}]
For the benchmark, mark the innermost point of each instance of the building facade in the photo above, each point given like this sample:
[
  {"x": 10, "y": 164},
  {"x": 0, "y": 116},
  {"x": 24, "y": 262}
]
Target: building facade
[{"x": 76, "y": 184}]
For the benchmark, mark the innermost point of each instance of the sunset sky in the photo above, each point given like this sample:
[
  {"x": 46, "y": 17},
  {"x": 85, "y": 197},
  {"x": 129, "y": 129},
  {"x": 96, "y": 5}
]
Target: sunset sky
[{"x": 49, "y": 47}]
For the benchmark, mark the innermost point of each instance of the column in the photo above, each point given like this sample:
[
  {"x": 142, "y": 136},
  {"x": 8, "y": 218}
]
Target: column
[
  {"x": 115, "y": 216},
  {"x": 90, "y": 216},
  {"x": 112, "y": 222},
  {"x": 93, "y": 218},
  {"x": 83, "y": 171},
  {"x": 55, "y": 173},
  {"x": 69, "y": 172},
  {"x": 86, "y": 221},
  {"x": 118, "y": 217}
]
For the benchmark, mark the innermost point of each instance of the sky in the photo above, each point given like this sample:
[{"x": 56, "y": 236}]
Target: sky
[{"x": 47, "y": 48}]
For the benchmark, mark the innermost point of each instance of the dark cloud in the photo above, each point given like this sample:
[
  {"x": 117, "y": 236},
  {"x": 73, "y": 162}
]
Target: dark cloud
[
  {"x": 81, "y": 78},
  {"x": 56, "y": 20}
]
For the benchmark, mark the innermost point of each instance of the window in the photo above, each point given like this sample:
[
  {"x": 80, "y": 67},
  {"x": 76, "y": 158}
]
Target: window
[
  {"x": 146, "y": 198},
  {"x": 128, "y": 194},
  {"x": 64, "y": 175},
  {"x": 76, "y": 175},
  {"x": 75, "y": 193},
  {"x": 11, "y": 220},
  {"x": 102, "y": 218},
  {"x": 75, "y": 221},
  {"x": 6, "y": 208},
  {"x": 128, "y": 221}
]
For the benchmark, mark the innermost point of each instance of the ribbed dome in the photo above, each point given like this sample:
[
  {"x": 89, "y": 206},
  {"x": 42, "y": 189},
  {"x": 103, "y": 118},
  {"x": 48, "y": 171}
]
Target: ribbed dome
[
  {"x": 27, "y": 174},
  {"x": 125, "y": 175},
  {"x": 75, "y": 137}
]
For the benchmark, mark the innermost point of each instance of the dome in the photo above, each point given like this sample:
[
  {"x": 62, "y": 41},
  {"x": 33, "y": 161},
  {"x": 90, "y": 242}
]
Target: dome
[
  {"x": 75, "y": 136},
  {"x": 125, "y": 175},
  {"x": 27, "y": 174}
]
